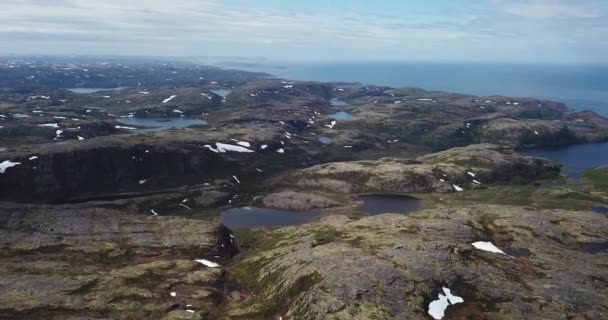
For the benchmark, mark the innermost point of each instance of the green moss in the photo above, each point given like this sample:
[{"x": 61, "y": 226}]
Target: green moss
[
  {"x": 598, "y": 177},
  {"x": 326, "y": 235}
]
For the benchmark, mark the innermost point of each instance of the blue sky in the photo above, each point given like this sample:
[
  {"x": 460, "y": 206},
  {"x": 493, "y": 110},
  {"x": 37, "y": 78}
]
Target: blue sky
[{"x": 549, "y": 31}]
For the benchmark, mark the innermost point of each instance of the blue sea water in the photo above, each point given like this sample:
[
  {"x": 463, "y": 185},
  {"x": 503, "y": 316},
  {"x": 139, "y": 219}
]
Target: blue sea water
[
  {"x": 577, "y": 158},
  {"x": 579, "y": 86}
]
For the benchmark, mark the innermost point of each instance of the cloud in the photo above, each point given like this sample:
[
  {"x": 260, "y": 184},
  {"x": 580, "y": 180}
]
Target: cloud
[
  {"x": 242, "y": 27},
  {"x": 545, "y": 9}
]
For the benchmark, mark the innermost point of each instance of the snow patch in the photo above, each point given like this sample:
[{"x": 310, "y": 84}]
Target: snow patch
[
  {"x": 487, "y": 246},
  {"x": 207, "y": 263},
  {"x": 169, "y": 99},
  {"x": 7, "y": 164},
  {"x": 437, "y": 307}
]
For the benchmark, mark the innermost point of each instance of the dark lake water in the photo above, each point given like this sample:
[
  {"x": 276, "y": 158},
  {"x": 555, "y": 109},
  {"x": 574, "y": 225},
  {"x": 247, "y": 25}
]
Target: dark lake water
[
  {"x": 93, "y": 90},
  {"x": 602, "y": 210},
  {"x": 576, "y": 159},
  {"x": 222, "y": 92},
  {"x": 517, "y": 253},
  {"x": 342, "y": 115},
  {"x": 159, "y": 124},
  {"x": 374, "y": 204},
  {"x": 595, "y": 247},
  {"x": 259, "y": 217}
]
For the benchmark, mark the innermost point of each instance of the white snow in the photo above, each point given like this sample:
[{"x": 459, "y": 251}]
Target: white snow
[
  {"x": 52, "y": 125},
  {"x": 185, "y": 206},
  {"x": 425, "y": 99},
  {"x": 236, "y": 179},
  {"x": 536, "y": 132},
  {"x": 437, "y": 307},
  {"x": 281, "y": 150},
  {"x": 7, "y": 164},
  {"x": 487, "y": 246},
  {"x": 154, "y": 212},
  {"x": 190, "y": 311},
  {"x": 223, "y": 148},
  {"x": 457, "y": 188},
  {"x": 123, "y": 127},
  {"x": 331, "y": 126},
  {"x": 244, "y": 144},
  {"x": 178, "y": 111},
  {"x": 80, "y": 138},
  {"x": 476, "y": 182},
  {"x": 169, "y": 99},
  {"x": 173, "y": 294},
  {"x": 207, "y": 263},
  {"x": 33, "y": 158},
  {"x": 471, "y": 174},
  {"x": 142, "y": 181}
]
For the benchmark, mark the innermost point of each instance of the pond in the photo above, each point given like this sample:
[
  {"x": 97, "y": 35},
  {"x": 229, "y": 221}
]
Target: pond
[
  {"x": 159, "y": 124},
  {"x": 338, "y": 103},
  {"x": 342, "y": 115},
  {"x": 595, "y": 247},
  {"x": 222, "y": 92},
  {"x": 259, "y": 217},
  {"x": 602, "y": 210},
  {"x": 374, "y": 204},
  {"x": 577, "y": 158},
  {"x": 93, "y": 90},
  {"x": 325, "y": 140}
]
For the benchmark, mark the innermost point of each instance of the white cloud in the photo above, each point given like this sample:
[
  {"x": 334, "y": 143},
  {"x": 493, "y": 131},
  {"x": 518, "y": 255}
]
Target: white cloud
[
  {"x": 497, "y": 28},
  {"x": 544, "y": 9}
]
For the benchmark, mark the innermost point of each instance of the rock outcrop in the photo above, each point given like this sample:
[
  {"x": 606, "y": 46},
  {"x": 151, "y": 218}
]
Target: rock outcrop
[
  {"x": 393, "y": 266},
  {"x": 466, "y": 168},
  {"x": 298, "y": 201},
  {"x": 76, "y": 264}
]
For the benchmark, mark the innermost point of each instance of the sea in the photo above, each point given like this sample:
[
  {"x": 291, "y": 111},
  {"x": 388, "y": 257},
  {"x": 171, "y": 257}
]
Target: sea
[{"x": 581, "y": 87}]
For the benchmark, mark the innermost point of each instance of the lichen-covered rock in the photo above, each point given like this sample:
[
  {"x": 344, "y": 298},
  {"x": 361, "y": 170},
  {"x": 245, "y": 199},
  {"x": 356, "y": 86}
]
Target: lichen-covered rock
[
  {"x": 393, "y": 266},
  {"x": 62, "y": 264},
  {"x": 298, "y": 201},
  {"x": 467, "y": 167}
]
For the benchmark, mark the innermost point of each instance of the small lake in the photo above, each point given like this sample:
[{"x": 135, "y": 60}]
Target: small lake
[
  {"x": 374, "y": 204},
  {"x": 338, "y": 103},
  {"x": 325, "y": 140},
  {"x": 259, "y": 218},
  {"x": 221, "y": 92},
  {"x": 342, "y": 115},
  {"x": 595, "y": 247},
  {"x": 159, "y": 124},
  {"x": 93, "y": 90},
  {"x": 577, "y": 158},
  {"x": 602, "y": 210}
]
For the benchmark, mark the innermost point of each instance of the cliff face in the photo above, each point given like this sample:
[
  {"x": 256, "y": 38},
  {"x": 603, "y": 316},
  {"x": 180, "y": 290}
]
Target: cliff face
[{"x": 91, "y": 172}]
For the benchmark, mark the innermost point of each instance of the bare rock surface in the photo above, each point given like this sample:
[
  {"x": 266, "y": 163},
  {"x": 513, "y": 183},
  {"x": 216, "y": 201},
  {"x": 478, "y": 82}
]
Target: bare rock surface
[
  {"x": 393, "y": 266},
  {"x": 298, "y": 201},
  {"x": 99, "y": 264},
  {"x": 466, "y": 167}
]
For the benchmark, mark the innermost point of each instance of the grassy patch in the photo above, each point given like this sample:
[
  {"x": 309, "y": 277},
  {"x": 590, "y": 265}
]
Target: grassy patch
[
  {"x": 326, "y": 235},
  {"x": 598, "y": 177}
]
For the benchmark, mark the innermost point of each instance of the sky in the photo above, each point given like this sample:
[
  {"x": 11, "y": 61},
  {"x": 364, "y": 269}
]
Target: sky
[{"x": 531, "y": 31}]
